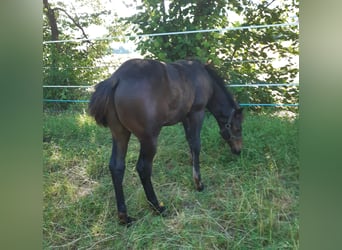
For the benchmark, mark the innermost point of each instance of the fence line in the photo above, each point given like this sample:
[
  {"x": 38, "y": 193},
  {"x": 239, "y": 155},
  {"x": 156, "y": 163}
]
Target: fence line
[
  {"x": 241, "y": 104},
  {"x": 263, "y": 26},
  {"x": 264, "y": 85},
  {"x": 229, "y": 85},
  {"x": 110, "y": 65},
  {"x": 232, "y": 85},
  {"x": 75, "y": 101},
  {"x": 269, "y": 104},
  {"x": 67, "y": 86}
]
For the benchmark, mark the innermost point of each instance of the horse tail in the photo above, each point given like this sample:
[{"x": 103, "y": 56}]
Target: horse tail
[{"x": 102, "y": 100}]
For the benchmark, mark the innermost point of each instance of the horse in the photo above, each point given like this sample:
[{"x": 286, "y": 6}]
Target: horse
[{"x": 142, "y": 96}]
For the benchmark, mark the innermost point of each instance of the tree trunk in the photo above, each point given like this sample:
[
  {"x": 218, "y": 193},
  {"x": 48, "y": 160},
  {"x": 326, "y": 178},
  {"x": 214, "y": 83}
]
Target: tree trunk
[{"x": 50, "y": 13}]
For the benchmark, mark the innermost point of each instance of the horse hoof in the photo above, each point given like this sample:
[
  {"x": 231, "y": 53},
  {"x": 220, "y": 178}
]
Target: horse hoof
[
  {"x": 200, "y": 187},
  {"x": 125, "y": 220},
  {"x": 160, "y": 209}
]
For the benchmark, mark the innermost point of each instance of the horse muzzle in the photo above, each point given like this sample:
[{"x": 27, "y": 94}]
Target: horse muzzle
[
  {"x": 236, "y": 146},
  {"x": 236, "y": 151}
]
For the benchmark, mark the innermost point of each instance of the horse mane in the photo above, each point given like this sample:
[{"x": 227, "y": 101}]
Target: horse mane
[{"x": 221, "y": 84}]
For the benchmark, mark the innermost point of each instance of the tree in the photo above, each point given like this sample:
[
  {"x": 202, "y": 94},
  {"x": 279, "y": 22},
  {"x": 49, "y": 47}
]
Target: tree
[
  {"x": 72, "y": 63},
  {"x": 227, "y": 50}
]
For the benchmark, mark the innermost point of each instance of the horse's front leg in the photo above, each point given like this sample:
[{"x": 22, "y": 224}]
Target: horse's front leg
[{"x": 192, "y": 127}]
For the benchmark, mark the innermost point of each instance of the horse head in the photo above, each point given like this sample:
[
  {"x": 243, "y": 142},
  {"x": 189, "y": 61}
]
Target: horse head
[{"x": 231, "y": 130}]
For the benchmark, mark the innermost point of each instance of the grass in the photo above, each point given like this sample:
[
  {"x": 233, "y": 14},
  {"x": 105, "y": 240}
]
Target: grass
[{"x": 249, "y": 202}]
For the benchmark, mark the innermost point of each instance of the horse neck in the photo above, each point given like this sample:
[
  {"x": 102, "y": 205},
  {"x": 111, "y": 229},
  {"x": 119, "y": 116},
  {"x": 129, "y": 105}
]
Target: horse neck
[{"x": 221, "y": 102}]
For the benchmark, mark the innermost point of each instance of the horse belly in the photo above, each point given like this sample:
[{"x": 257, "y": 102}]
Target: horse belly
[
  {"x": 176, "y": 114},
  {"x": 179, "y": 104}
]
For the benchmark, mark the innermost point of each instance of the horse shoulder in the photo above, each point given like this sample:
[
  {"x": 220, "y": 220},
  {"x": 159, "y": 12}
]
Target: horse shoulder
[
  {"x": 179, "y": 88},
  {"x": 203, "y": 91}
]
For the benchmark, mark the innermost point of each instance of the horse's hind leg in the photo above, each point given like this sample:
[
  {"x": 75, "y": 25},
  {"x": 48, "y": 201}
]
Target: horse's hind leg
[
  {"x": 148, "y": 148},
  {"x": 117, "y": 170}
]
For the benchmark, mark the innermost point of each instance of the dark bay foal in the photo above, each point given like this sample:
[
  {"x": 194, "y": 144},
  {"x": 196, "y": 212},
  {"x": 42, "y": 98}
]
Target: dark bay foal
[{"x": 142, "y": 96}]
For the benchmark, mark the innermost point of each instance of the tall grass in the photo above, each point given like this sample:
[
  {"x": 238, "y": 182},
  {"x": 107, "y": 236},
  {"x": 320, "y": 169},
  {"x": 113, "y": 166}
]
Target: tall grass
[{"x": 249, "y": 202}]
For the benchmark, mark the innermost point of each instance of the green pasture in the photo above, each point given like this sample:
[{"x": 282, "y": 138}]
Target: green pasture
[{"x": 249, "y": 202}]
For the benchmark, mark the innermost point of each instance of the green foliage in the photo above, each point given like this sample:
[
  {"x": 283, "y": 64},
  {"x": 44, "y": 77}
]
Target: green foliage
[
  {"x": 155, "y": 17},
  {"x": 228, "y": 50},
  {"x": 249, "y": 202},
  {"x": 69, "y": 66},
  {"x": 72, "y": 63}
]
